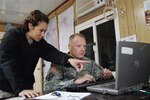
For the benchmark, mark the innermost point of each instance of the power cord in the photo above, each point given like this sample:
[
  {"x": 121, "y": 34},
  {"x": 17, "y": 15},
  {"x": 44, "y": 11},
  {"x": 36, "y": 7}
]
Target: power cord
[{"x": 144, "y": 91}]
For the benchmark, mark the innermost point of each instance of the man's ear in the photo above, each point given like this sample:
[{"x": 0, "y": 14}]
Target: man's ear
[
  {"x": 30, "y": 26},
  {"x": 69, "y": 47}
]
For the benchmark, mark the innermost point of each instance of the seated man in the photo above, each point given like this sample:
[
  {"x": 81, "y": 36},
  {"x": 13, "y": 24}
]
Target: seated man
[{"x": 60, "y": 77}]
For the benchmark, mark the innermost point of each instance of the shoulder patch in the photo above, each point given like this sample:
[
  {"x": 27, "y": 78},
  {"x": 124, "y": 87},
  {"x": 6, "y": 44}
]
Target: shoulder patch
[{"x": 50, "y": 76}]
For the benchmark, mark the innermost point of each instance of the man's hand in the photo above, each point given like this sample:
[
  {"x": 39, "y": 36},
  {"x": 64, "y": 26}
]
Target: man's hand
[
  {"x": 106, "y": 73},
  {"x": 78, "y": 64},
  {"x": 29, "y": 93},
  {"x": 84, "y": 78}
]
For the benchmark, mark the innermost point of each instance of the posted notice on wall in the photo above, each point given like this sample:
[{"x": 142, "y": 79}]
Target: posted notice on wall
[
  {"x": 147, "y": 11},
  {"x": 131, "y": 38}
]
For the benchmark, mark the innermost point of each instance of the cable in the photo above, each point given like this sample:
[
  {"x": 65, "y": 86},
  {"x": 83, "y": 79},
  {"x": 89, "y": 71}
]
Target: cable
[{"x": 144, "y": 91}]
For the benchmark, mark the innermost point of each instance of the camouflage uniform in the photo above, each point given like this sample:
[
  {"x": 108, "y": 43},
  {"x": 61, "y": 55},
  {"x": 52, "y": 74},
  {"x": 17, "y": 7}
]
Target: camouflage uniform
[{"x": 65, "y": 76}]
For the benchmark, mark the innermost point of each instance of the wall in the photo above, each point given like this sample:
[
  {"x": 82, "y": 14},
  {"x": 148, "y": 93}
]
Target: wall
[
  {"x": 2, "y": 26},
  {"x": 61, "y": 8},
  {"x": 38, "y": 85},
  {"x": 132, "y": 19}
]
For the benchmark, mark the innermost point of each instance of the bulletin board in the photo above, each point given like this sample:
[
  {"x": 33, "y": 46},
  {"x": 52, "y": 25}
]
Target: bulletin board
[
  {"x": 66, "y": 28},
  {"x": 51, "y": 36}
]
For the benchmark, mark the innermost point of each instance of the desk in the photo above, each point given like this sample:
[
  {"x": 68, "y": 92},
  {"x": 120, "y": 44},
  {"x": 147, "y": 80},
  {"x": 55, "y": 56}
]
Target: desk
[
  {"x": 130, "y": 96},
  {"x": 138, "y": 96},
  {"x": 98, "y": 96}
]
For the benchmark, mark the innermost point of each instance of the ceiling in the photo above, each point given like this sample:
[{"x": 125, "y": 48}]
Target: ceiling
[{"x": 15, "y": 11}]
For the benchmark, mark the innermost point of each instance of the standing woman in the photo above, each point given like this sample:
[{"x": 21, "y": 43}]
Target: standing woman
[{"x": 20, "y": 50}]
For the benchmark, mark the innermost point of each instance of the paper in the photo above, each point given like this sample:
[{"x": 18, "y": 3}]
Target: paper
[
  {"x": 127, "y": 50},
  {"x": 64, "y": 96},
  {"x": 147, "y": 11},
  {"x": 131, "y": 38}
]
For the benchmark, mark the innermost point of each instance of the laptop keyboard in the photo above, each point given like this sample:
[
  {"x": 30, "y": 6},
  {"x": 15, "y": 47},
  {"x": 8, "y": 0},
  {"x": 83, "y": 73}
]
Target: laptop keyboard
[{"x": 84, "y": 85}]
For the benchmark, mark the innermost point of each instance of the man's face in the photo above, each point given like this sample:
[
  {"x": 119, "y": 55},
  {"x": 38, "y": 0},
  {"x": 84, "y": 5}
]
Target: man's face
[
  {"x": 37, "y": 32},
  {"x": 77, "y": 47}
]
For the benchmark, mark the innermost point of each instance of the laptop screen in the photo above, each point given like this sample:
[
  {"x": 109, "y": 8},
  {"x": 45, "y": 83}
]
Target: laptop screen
[{"x": 132, "y": 64}]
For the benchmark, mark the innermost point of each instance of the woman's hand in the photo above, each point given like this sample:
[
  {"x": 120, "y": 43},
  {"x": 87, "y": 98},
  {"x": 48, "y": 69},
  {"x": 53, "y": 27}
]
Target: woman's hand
[
  {"x": 78, "y": 64},
  {"x": 29, "y": 93}
]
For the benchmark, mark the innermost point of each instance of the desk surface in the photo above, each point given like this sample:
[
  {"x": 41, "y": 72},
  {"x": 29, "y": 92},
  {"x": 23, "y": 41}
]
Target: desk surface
[
  {"x": 128, "y": 96},
  {"x": 134, "y": 96}
]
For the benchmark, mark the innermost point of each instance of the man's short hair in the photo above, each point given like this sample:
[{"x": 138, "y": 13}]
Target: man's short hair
[{"x": 76, "y": 34}]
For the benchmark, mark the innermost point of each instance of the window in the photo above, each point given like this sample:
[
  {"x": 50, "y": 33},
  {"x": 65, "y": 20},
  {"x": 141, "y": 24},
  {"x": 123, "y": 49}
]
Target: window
[
  {"x": 103, "y": 35},
  {"x": 106, "y": 44},
  {"x": 88, "y": 33}
]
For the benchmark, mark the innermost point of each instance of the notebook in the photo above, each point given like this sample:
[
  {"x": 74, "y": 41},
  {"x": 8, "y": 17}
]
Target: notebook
[{"x": 132, "y": 69}]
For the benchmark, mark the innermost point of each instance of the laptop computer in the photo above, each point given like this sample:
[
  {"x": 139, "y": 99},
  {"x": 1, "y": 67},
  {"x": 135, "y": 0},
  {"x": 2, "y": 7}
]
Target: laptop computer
[{"x": 132, "y": 69}]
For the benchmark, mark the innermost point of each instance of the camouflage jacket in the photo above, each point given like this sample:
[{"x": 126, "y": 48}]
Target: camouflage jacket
[{"x": 60, "y": 77}]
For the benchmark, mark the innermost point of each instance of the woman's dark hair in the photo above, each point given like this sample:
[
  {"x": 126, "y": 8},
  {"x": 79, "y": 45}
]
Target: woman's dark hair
[{"x": 34, "y": 18}]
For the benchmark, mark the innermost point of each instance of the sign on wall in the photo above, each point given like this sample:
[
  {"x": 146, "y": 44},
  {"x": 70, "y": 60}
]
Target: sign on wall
[{"x": 147, "y": 11}]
